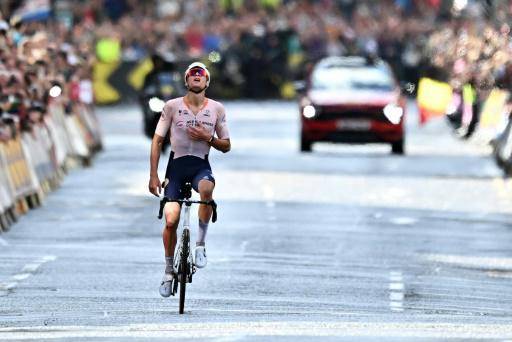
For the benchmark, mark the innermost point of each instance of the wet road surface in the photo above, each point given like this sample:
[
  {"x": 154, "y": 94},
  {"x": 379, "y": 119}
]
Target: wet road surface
[{"x": 348, "y": 241}]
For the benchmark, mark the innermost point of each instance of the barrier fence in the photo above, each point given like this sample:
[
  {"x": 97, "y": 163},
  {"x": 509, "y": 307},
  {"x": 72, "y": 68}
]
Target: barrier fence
[{"x": 33, "y": 163}]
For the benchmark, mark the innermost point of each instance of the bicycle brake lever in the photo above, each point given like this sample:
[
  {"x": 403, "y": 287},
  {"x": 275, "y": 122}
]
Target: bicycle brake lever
[
  {"x": 162, "y": 205},
  {"x": 214, "y": 207}
]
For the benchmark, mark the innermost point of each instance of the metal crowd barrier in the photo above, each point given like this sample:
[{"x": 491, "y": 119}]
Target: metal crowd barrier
[{"x": 34, "y": 163}]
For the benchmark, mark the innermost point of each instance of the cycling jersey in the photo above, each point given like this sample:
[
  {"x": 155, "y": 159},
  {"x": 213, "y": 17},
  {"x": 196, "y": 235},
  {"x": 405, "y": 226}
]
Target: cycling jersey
[{"x": 177, "y": 117}]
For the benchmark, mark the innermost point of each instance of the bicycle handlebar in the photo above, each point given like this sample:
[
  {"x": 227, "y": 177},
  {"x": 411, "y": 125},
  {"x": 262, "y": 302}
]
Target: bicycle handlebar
[{"x": 188, "y": 202}]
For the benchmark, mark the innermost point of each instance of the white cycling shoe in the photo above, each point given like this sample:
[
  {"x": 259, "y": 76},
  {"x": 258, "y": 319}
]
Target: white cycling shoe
[
  {"x": 166, "y": 285},
  {"x": 200, "y": 259}
]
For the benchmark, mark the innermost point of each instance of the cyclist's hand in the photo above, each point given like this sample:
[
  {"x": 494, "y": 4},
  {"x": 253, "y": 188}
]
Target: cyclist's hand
[
  {"x": 199, "y": 133},
  {"x": 155, "y": 186}
]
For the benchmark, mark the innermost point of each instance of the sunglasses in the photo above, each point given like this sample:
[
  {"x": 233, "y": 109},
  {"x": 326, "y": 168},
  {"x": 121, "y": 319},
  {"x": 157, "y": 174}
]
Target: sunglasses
[{"x": 197, "y": 72}]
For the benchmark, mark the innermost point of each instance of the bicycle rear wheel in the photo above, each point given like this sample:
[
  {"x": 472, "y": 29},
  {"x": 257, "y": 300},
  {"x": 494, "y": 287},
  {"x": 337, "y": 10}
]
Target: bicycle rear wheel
[{"x": 184, "y": 268}]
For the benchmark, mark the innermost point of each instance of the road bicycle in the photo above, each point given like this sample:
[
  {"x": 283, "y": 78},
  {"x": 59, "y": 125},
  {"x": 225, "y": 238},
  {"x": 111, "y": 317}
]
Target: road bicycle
[{"x": 183, "y": 267}]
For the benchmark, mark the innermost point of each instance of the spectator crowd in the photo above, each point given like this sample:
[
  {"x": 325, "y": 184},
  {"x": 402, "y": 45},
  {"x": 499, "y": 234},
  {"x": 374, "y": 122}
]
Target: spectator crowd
[
  {"x": 258, "y": 45},
  {"x": 40, "y": 62},
  {"x": 46, "y": 109}
]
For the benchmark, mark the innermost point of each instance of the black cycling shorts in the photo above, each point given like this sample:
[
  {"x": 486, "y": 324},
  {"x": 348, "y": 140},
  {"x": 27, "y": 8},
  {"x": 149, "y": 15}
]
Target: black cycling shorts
[{"x": 185, "y": 169}]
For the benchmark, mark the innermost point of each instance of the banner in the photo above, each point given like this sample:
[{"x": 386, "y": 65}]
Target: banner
[
  {"x": 433, "y": 98},
  {"x": 33, "y": 10},
  {"x": 494, "y": 109},
  {"x": 104, "y": 93}
]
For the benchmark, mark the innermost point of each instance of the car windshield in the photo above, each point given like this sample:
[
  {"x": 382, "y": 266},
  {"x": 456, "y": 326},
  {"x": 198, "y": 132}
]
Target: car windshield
[{"x": 355, "y": 78}]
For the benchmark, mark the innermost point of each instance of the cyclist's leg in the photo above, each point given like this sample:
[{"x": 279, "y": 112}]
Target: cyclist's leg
[
  {"x": 204, "y": 183},
  {"x": 172, "y": 209},
  {"x": 172, "y": 219}
]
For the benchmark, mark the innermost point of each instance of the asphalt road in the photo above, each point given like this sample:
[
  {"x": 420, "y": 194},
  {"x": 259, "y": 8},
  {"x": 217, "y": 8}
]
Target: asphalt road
[{"x": 345, "y": 242}]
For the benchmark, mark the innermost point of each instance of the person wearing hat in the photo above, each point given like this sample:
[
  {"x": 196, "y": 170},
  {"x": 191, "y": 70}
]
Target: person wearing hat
[{"x": 196, "y": 123}]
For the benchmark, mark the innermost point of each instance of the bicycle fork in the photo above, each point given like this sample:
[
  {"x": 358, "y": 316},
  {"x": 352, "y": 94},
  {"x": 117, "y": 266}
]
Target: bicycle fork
[{"x": 183, "y": 249}]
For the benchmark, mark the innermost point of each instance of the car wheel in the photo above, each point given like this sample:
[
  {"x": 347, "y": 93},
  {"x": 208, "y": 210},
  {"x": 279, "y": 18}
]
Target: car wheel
[
  {"x": 305, "y": 145},
  {"x": 398, "y": 147}
]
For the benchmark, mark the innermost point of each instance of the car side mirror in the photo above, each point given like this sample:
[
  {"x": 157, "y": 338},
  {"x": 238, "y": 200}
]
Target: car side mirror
[
  {"x": 300, "y": 86},
  {"x": 407, "y": 88}
]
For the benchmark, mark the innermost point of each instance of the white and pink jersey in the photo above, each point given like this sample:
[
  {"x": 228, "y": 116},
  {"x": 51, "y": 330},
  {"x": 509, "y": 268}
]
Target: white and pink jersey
[{"x": 177, "y": 117}]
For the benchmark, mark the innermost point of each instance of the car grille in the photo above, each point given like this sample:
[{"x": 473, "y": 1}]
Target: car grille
[{"x": 333, "y": 113}]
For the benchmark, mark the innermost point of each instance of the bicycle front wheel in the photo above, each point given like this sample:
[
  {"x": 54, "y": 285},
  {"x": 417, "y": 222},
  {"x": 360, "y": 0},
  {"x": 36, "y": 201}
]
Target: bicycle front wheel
[{"x": 184, "y": 268}]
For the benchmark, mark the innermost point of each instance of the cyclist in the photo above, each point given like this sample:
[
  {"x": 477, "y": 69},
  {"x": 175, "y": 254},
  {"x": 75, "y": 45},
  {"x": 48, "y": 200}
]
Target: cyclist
[{"x": 193, "y": 120}]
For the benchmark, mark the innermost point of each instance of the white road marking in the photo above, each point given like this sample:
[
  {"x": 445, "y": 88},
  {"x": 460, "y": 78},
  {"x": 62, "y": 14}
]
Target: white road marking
[
  {"x": 268, "y": 192},
  {"x": 396, "y": 286},
  {"x": 267, "y": 329},
  {"x": 20, "y": 276},
  {"x": 405, "y": 221},
  {"x": 396, "y": 306},
  {"x": 396, "y": 295},
  {"x": 47, "y": 258},
  {"x": 270, "y": 204},
  {"x": 284, "y": 312},
  {"x": 30, "y": 268},
  {"x": 34, "y": 266},
  {"x": 26, "y": 272},
  {"x": 472, "y": 261}
]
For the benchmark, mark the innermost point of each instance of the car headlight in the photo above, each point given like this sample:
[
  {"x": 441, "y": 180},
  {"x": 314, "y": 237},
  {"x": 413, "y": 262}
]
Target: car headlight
[
  {"x": 156, "y": 104},
  {"x": 309, "y": 112},
  {"x": 394, "y": 113}
]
